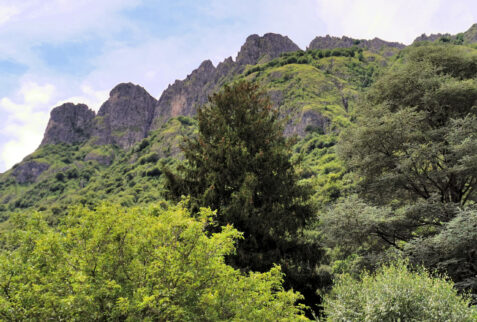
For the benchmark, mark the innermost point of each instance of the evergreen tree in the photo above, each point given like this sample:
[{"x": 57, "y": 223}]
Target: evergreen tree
[{"x": 239, "y": 164}]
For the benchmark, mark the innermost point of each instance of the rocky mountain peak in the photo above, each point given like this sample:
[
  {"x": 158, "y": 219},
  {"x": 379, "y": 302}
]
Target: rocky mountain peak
[
  {"x": 267, "y": 47},
  {"x": 471, "y": 34},
  {"x": 374, "y": 45},
  {"x": 184, "y": 96},
  {"x": 125, "y": 117},
  {"x": 122, "y": 93},
  {"x": 205, "y": 67},
  {"x": 69, "y": 123}
]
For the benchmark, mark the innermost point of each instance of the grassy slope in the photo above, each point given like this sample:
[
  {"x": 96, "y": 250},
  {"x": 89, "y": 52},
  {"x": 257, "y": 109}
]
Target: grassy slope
[{"x": 312, "y": 80}]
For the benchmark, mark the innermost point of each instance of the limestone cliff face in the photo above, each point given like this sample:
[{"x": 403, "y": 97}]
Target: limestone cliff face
[
  {"x": 183, "y": 97},
  {"x": 374, "y": 45},
  {"x": 264, "y": 48},
  {"x": 470, "y": 35},
  {"x": 125, "y": 118},
  {"x": 69, "y": 123}
]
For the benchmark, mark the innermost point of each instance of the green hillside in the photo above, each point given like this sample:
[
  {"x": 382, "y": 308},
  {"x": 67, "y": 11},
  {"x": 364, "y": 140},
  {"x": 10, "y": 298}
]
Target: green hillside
[
  {"x": 385, "y": 144},
  {"x": 322, "y": 83}
]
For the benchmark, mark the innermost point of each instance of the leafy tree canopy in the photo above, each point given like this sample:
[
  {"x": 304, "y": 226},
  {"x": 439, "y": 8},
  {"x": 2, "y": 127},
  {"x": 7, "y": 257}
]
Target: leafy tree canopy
[
  {"x": 415, "y": 132},
  {"x": 395, "y": 293},
  {"x": 132, "y": 264}
]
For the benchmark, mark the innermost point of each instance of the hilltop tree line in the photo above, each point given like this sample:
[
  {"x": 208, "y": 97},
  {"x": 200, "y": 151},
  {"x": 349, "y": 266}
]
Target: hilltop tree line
[{"x": 241, "y": 237}]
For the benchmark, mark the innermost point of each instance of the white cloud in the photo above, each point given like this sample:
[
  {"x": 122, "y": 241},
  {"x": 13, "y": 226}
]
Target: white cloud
[
  {"x": 34, "y": 94},
  {"x": 89, "y": 96},
  {"x": 399, "y": 20},
  {"x": 24, "y": 121},
  {"x": 7, "y": 12}
]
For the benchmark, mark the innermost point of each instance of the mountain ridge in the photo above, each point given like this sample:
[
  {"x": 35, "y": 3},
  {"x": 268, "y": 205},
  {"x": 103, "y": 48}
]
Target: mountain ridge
[{"x": 110, "y": 124}]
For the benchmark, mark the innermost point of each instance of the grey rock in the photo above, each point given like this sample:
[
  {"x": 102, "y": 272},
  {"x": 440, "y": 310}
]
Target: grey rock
[
  {"x": 125, "y": 118},
  {"x": 69, "y": 123},
  {"x": 28, "y": 172},
  {"x": 431, "y": 37},
  {"x": 470, "y": 36},
  {"x": 374, "y": 45},
  {"x": 184, "y": 96},
  {"x": 267, "y": 47},
  {"x": 305, "y": 121}
]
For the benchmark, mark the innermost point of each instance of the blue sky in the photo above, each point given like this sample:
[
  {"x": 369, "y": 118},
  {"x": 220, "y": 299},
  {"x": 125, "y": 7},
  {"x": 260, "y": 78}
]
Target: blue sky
[{"x": 53, "y": 51}]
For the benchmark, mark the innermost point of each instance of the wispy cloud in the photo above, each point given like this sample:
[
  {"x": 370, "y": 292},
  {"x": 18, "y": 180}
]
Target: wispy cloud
[{"x": 399, "y": 20}]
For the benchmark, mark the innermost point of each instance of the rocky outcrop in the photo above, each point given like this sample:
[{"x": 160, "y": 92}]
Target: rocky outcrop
[
  {"x": 184, "y": 96},
  {"x": 468, "y": 37},
  {"x": 125, "y": 118},
  {"x": 264, "y": 48},
  {"x": 432, "y": 37},
  {"x": 307, "y": 121},
  {"x": 69, "y": 123},
  {"x": 28, "y": 172},
  {"x": 374, "y": 45}
]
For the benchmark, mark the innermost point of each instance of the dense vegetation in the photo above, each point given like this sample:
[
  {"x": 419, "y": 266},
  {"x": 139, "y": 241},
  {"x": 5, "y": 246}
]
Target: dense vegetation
[
  {"x": 386, "y": 172},
  {"x": 239, "y": 164},
  {"x": 132, "y": 264}
]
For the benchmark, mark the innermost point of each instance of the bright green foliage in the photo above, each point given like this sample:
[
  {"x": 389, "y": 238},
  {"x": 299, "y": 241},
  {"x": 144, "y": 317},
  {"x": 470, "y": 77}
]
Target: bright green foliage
[
  {"x": 132, "y": 264},
  {"x": 406, "y": 142},
  {"x": 396, "y": 294}
]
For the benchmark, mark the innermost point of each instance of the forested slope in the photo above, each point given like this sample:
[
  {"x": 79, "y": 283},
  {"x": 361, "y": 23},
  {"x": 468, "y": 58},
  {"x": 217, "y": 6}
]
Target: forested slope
[{"x": 375, "y": 141}]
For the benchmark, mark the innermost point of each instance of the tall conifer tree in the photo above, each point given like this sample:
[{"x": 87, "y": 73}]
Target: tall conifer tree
[{"x": 239, "y": 164}]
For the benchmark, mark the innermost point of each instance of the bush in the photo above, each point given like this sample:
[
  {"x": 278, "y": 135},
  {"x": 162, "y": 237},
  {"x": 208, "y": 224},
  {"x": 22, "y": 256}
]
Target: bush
[
  {"x": 396, "y": 294},
  {"x": 154, "y": 172},
  {"x": 60, "y": 176},
  {"x": 149, "y": 158},
  {"x": 72, "y": 173},
  {"x": 116, "y": 264}
]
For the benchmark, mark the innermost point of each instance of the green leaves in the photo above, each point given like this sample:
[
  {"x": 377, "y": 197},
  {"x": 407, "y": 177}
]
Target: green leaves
[
  {"x": 133, "y": 264},
  {"x": 403, "y": 141},
  {"x": 239, "y": 164},
  {"x": 395, "y": 293}
]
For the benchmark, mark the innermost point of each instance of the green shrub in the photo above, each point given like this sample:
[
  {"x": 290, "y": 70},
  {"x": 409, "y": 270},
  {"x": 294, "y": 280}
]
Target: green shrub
[
  {"x": 72, "y": 173},
  {"x": 116, "y": 264},
  {"x": 396, "y": 294},
  {"x": 154, "y": 172},
  {"x": 60, "y": 176},
  {"x": 144, "y": 143},
  {"x": 149, "y": 158}
]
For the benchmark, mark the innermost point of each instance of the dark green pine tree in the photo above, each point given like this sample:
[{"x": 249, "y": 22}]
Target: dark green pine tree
[{"x": 239, "y": 164}]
